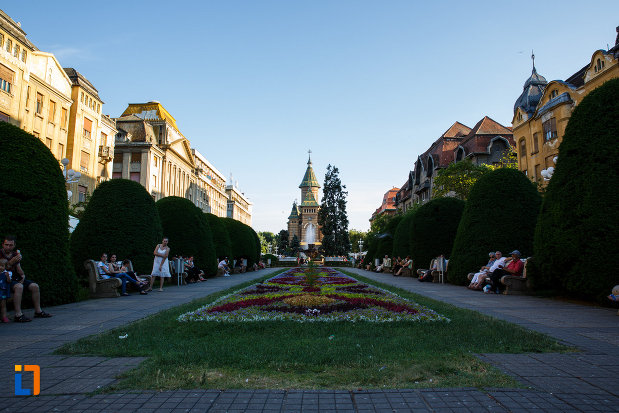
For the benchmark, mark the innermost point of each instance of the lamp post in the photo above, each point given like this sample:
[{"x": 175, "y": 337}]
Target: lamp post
[
  {"x": 276, "y": 248},
  {"x": 70, "y": 176},
  {"x": 360, "y": 246}
]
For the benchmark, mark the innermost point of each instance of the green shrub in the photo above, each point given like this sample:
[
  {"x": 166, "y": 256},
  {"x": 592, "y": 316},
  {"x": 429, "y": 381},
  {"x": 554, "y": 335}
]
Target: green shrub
[
  {"x": 499, "y": 215},
  {"x": 578, "y": 225},
  {"x": 402, "y": 236},
  {"x": 243, "y": 241},
  {"x": 121, "y": 218},
  {"x": 385, "y": 243},
  {"x": 255, "y": 257},
  {"x": 271, "y": 257},
  {"x": 188, "y": 232},
  {"x": 35, "y": 209},
  {"x": 221, "y": 239},
  {"x": 434, "y": 228}
]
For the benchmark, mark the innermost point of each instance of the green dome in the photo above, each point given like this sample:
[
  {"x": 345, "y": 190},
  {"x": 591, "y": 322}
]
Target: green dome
[{"x": 295, "y": 211}]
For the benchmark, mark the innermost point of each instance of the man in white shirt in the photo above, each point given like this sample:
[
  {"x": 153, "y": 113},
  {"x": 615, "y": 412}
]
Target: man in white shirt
[{"x": 223, "y": 264}]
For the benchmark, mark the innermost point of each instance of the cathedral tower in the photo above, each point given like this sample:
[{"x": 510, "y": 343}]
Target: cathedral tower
[{"x": 303, "y": 220}]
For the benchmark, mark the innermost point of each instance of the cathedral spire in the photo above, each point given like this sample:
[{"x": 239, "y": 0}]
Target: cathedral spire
[{"x": 309, "y": 179}]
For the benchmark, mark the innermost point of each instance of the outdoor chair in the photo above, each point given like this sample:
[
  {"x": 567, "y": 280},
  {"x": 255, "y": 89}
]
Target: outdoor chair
[{"x": 99, "y": 287}]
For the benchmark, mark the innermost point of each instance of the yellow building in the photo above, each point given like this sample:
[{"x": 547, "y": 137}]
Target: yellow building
[
  {"x": 303, "y": 219},
  {"x": 543, "y": 110},
  {"x": 35, "y": 92},
  {"x": 90, "y": 144},
  {"x": 210, "y": 188},
  {"x": 238, "y": 206}
]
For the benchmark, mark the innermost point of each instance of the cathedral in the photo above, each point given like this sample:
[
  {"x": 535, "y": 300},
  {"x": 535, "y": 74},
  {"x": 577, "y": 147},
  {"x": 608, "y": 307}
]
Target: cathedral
[{"x": 303, "y": 219}]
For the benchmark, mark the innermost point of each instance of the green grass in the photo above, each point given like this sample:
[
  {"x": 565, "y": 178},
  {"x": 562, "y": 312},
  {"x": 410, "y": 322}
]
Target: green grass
[{"x": 274, "y": 355}]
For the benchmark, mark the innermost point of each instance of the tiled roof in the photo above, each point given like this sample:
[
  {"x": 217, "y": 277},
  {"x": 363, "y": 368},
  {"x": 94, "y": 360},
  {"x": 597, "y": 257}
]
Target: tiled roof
[
  {"x": 483, "y": 132},
  {"x": 309, "y": 200},
  {"x": 578, "y": 78},
  {"x": 456, "y": 130},
  {"x": 78, "y": 79},
  {"x": 15, "y": 30},
  {"x": 295, "y": 211},
  {"x": 309, "y": 179}
]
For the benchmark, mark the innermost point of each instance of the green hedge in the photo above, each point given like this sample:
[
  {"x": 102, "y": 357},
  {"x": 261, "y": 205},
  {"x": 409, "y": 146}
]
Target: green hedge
[
  {"x": 499, "y": 215},
  {"x": 578, "y": 226},
  {"x": 402, "y": 236},
  {"x": 273, "y": 258},
  {"x": 34, "y": 208},
  {"x": 188, "y": 232},
  {"x": 243, "y": 240},
  {"x": 121, "y": 218},
  {"x": 385, "y": 244},
  {"x": 221, "y": 238},
  {"x": 433, "y": 229}
]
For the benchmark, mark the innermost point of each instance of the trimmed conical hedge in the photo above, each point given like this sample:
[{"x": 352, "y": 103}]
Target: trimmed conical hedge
[
  {"x": 433, "y": 229},
  {"x": 188, "y": 231},
  {"x": 243, "y": 241},
  {"x": 385, "y": 242},
  {"x": 499, "y": 215},
  {"x": 221, "y": 239},
  {"x": 121, "y": 218},
  {"x": 402, "y": 236},
  {"x": 34, "y": 208},
  {"x": 578, "y": 226}
]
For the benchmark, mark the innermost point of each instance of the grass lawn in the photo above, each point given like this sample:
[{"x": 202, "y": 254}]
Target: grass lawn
[{"x": 327, "y": 355}]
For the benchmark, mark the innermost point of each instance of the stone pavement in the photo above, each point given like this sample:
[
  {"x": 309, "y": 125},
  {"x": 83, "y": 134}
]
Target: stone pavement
[{"x": 583, "y": 381}]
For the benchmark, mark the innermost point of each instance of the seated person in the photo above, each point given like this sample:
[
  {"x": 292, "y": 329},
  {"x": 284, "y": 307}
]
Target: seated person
[
  {"x": 427, "y": 276},
  {"x": 479, "y": 277},
  {"x": 193, "y": 274},
  {"x": 397, "y": 265},
  {"x": 511, "y": 266},
  {"x": 107, "y": 271},
  {"x": 406, "y": 263},
  {"x": 126, "y": 269},
  {"x": 223, "y": 264},
  {"x": 240, "y": 265},
  {"x": 5, "y": 289}
]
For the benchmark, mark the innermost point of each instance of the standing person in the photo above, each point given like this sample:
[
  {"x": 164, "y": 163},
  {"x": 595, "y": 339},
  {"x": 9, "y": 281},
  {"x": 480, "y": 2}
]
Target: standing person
[
  {"x": 161, "y": 266},
  {"x": 19, "y": 281},
  {"x": 223, "y": 264}
]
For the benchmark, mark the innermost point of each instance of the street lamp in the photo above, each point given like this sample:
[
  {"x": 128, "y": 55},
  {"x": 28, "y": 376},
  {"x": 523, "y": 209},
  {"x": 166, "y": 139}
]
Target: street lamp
[
  {"x": 70, "y": 176},
  {"x": 360, "y": 246},
  {"x": 276, "y": 248}
]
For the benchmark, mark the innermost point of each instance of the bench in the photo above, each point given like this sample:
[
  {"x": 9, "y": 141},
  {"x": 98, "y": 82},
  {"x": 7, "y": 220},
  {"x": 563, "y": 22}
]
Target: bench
[
  {"x": 515, "y": 285},
  {"x": 99, "y": 287},
  {"x": 439, "y": 274}
]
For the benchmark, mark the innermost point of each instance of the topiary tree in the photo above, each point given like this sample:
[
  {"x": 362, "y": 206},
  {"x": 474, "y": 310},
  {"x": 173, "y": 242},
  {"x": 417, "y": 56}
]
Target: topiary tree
[
  {"x": 385, "y": 243},
  {"x": 578, "y": 224},
  {"x": 243, "y": 243},
  {"x": 221, "y": 238},
  {"x": 121, "y": 218},
  {"x": 499, "y": 215},
  {"x": 188, "y": 231},
  {"x": 255, "y": 257},
  {"x": 35, "y": 209},
  {"x": 433, "y": 229},
  {"x": 402, "y": 236}
]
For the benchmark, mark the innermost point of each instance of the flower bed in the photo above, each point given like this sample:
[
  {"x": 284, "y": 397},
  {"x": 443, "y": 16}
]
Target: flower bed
[{"x": 329, "y": 296}]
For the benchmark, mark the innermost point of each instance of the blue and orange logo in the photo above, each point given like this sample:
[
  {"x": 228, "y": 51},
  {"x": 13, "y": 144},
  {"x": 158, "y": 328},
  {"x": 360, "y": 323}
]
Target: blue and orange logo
[{"x": 36, "y": 388}]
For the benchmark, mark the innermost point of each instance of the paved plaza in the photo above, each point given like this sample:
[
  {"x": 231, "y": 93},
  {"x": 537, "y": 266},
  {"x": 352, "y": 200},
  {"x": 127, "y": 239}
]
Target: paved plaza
[{"x": 587, "y": 380}]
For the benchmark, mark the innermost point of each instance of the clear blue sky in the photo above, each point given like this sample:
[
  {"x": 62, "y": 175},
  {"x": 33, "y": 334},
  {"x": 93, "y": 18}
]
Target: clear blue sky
[{"x": 367, "y": 85}]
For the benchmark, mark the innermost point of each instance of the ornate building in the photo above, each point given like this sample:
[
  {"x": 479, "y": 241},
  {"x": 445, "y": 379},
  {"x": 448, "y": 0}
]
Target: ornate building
[
  {"x": 303, "y": 219},
  {"x": 543, "y": 110}
]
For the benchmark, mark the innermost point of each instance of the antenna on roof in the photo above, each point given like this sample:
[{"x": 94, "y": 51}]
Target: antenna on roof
[{"x": 533, "y": 59}]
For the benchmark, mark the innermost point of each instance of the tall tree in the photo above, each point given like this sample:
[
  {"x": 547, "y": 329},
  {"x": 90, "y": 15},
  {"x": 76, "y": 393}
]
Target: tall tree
[
  {"x": 332, "y": 216},
  {"x": 295, "y": 244},
  {"x": 282, "y": 243},
  {"x": 266, "y": 239}
]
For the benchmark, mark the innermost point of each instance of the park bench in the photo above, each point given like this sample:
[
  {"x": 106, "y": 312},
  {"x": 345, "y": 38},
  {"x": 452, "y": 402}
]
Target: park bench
[
  {"x": 439, "y": 274},
  {"x": 514, "y": 285},
  {"x": 99, "y": 287}
]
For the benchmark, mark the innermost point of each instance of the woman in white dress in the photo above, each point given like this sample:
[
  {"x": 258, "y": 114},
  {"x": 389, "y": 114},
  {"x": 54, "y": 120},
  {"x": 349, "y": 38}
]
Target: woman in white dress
[{"x": 161, "y": 267}]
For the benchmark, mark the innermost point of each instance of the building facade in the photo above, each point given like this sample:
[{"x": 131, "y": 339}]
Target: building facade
[
  {"x": 388, "y": 206},
  {"x": 210, "y": 187},
  {"x": 238, "y": 207},
  {"x": 303, "y": 219},
  {"x": 543, "y": 110}
]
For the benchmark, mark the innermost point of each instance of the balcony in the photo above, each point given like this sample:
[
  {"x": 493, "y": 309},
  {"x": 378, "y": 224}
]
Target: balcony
[{"x": 106, "y": 154}]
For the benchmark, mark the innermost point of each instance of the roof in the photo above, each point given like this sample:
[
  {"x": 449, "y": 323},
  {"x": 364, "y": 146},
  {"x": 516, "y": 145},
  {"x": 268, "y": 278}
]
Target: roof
[
  {"x": 456, "y": 130},
  {"x": 78, "y": 79},
  {"x": 531, "y": 92},
  {"x": 295, "y": 211},
  {"x": 153, "y": 111},
  {"x": 483, "y": 132},
  {"x": 309, "y": 179},
  {"x": 14, "y": 29},
  {"x": 578, "y": 78},
  {"x": 309, "y": 200}
]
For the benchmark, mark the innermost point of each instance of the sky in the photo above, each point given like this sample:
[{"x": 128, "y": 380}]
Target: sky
[{"x": 366, "y": 85}]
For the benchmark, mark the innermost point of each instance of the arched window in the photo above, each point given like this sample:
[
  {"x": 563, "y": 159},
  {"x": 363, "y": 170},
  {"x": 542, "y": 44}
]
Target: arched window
[
  {"x": 459, "y": 154},
  {"x": 430, "y": 166},
  {"x": 523, "y": 147}
]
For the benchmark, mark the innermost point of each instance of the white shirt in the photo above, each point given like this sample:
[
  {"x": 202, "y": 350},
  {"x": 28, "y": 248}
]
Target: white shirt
[
  {"x": 222, "y": 264},
  {"x": 101, "y": 265},
  {"x": 498, "y": 262}
]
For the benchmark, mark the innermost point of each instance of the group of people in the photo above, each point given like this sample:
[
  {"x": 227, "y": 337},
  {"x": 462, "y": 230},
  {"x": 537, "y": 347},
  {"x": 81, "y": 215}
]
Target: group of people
[
  {"x": 13, "y": 283},
  {"x": 395, "y": 264},
  {"x": 488, "y": 278}
]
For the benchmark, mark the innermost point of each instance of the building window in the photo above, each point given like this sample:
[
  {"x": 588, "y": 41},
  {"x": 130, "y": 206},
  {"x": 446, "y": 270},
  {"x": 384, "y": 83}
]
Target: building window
[
  {"x": 27, "y": 98},
  {"x": 538, "y": 173},
  {"x": 51, "y": 113},
  {"x": 87, "y": 129},
  {"x": 24, "y": 55},
  {"x": 6, "y": 86},
  {"x": 1, "y": 39},
  {"x": 136, "y": 157},
  {"x": 135, "y": 176},
  {"x": 84, "y": 161},
  {"x": 48, "y": 143},
  {"x": 103, "y": 139},
  {"x": 63, "y": 118},
  {"x": 9, "y": 45},
  {"x": 16, "y": 51},
  {"x": 523, "y": 147},
  {"x": 82, "y": 97},
  {"x": 554, "y": 93},
  {"x": 118, "y": 158},
  {"x": 154, "y": 182},
  {"x": 60, "y": 151},
  {"x": 550, "y": 129},
  {"x": 535, "y": 143},
  {"x": 117, "y": 175},
  {"x": 39, "y": 108},
  {"x": 82, "y": 190}
]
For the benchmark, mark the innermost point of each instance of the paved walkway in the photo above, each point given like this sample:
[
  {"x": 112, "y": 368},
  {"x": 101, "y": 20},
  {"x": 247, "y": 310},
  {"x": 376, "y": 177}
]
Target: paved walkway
[{"x": 583, "y": 381}]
